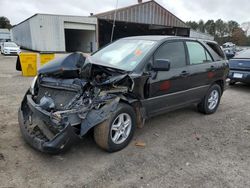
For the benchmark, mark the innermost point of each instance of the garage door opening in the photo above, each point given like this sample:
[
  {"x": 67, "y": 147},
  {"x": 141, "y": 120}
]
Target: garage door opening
[
  {"x": 79, "y": 40},
  {"x": 126, "y": 29}
]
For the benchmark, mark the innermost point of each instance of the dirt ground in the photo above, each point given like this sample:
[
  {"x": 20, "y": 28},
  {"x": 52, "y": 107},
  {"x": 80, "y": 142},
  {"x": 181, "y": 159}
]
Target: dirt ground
[{"x": 183, "y": 148}]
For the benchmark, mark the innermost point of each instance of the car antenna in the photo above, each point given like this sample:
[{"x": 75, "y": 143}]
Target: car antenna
[{"x": 113, "y": 28}]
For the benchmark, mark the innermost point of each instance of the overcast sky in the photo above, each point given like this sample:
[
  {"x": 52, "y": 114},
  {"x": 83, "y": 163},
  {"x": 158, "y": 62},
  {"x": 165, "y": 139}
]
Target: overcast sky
[{"x": 18, "y": 10}]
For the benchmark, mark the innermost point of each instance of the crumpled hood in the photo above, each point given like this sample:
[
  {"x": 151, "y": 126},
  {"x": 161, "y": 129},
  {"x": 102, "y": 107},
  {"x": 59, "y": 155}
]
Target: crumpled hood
[
  {"x": 75, "y": 66},
  {"x": 65, "y": 67}
]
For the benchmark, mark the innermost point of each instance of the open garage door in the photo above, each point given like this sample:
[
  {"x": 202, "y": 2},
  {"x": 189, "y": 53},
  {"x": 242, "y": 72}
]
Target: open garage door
[
  {"x": 80, "y": 37},
  {"x": 126, "y": 29}
]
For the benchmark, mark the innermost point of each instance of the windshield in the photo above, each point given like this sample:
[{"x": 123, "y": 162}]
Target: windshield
[
  {"x": 123, "y": 54},
  {"x": 10, "y": 44}
]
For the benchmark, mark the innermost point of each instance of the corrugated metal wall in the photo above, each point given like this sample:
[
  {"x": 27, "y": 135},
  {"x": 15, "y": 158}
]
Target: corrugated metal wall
[
  {"x": 145, "y": 13},
  {"x": 5, "y": 34},
  {"x": 44, "y": 32},
  {"x": 22, "y": 35}
]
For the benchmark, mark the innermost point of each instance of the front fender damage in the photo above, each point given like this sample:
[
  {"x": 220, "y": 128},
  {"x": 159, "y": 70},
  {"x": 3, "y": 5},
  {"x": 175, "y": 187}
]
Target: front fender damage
[
  {"x": 52, "y": 132},
  {"x": 95, "y": 117}
]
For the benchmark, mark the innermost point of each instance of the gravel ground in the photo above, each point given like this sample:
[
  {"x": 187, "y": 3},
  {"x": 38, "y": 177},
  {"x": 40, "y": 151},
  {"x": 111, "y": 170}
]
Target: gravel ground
[{"x": 183, "y": 148}]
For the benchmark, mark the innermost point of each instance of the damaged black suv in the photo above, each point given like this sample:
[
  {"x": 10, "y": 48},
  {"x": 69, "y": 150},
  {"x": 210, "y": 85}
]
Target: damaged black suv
[{"x": 117, "y": 88}]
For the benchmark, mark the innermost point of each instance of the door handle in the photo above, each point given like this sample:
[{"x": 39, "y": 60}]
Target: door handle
[{"x": 184, "y": 74}]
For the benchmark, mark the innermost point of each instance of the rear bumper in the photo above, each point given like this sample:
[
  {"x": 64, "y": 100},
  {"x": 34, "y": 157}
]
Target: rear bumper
[
  {"x": 245, "y": 76},
  {"x": 60, "y": 142}
]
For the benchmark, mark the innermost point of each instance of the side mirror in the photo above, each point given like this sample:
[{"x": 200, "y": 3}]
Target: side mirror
[{"x": 161, "y": 65}]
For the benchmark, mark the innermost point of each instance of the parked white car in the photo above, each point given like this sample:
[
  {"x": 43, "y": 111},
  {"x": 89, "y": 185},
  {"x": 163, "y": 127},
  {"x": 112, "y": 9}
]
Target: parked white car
[{"x": 9, "y": 48}]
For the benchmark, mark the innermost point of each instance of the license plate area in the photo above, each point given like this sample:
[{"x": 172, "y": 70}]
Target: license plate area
[{"x": 238, "y": 75}]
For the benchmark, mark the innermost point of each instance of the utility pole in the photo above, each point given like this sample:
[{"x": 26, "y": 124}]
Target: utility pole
[{"x": 113, "y": 28}]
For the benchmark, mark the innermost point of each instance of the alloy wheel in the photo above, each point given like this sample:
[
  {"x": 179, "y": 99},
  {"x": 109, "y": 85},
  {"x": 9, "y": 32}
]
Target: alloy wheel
[
  {"x": 213, "y": 99},
  {"x": 121, "y": 128}
]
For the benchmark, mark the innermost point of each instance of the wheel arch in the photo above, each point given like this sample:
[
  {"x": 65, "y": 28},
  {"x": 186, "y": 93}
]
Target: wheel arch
[
  {"x": 221, "y": 83},
  {"x": 139, "y": 110}
]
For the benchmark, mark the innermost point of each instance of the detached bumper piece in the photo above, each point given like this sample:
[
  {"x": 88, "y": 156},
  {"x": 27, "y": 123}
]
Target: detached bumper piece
[{"x": 42, "y": 131}]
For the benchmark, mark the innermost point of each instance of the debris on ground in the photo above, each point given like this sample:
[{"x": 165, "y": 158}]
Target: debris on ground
[
  {"x": 2, "y": 157},
  {"x": 156, "y": 134},
  {"x": 247, "y": 129},
  {"x": 140, "y": 144},
  {"x": 196, "y": 136}
]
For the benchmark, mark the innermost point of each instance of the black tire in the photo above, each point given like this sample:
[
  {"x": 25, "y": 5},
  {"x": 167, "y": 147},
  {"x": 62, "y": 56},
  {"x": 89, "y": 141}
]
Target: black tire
[
  {"x": 232, "y": 82},
  {"x": 203, "y": 106},
  {"x": 102, "y": 132}
]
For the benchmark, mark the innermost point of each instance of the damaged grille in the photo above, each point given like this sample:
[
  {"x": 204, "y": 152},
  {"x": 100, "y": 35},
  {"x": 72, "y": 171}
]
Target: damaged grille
[{"x": 59, "y": 96}]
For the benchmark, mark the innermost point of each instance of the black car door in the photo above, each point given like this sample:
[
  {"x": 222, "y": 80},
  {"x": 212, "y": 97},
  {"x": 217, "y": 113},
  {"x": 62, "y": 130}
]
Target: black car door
[
  {"x": 201, "y": 68},
  {"x": 166, "y": 88}
]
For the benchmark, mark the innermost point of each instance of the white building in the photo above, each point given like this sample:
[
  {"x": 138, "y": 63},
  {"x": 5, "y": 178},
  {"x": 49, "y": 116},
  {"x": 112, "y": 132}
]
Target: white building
[
  {"x": 57, "y": 33},
  {"x": 5, "y": 35}
]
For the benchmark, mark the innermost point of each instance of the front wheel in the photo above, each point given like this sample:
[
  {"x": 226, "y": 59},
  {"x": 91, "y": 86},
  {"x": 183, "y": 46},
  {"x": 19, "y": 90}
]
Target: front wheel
[
  {"x": 116, "y": 132},
  {"x": 211, "y": 101}
]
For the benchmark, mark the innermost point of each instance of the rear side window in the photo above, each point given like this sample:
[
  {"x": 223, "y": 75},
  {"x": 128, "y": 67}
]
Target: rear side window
[
  {"x": 197, "y": 53},
  {"x": 216, "y": 49},
  {"x": 174, "y": 52}
]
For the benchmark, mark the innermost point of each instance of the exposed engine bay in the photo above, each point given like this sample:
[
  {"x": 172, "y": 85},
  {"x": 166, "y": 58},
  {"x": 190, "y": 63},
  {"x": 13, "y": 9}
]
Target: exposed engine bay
[{"x": 69, "y": 97}]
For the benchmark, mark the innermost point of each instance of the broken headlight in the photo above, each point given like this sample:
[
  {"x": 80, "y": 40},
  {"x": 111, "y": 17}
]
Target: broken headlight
[{"x": 32, "y": 86}]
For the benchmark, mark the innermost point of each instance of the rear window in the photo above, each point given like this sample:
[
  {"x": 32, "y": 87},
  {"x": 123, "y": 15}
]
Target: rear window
[{"x": 216, "y": 49}]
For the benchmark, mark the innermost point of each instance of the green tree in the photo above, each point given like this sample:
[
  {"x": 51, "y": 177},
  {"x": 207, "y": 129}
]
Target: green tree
[
  {"x": 192, "y": 24},
  {"x": 201, "y": 26},
  {"x": 221, "y": 28},
  {"x": 210, "y": 27},
  {"x": 5, "y": 22},
  {"x": 248, "y": 41},
  {"x": 222, "y": 31},
  {"x": 232, "y": 25}
]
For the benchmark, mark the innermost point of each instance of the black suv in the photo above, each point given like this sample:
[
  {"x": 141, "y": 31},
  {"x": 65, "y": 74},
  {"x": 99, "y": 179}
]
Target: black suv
[{"x": 117, "y": 88}]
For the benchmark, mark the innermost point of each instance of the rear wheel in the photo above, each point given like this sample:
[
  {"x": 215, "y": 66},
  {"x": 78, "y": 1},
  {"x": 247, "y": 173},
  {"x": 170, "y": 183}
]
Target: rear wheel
[
  {"x": 211, "y": 101},
  {"x": 116, "y": 132}
]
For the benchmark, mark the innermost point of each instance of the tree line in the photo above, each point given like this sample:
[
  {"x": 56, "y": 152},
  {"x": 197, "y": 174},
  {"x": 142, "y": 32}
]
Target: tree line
[
  {"x": 222, "y": 31},
  {"x": 5, "y": 22}
]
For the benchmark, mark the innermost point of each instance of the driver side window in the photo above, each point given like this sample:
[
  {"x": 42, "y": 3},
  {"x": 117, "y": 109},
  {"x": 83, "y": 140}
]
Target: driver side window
[{"x": 174, "y": 52}]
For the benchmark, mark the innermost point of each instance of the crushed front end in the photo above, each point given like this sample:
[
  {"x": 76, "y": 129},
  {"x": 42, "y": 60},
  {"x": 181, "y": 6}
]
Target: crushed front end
[{"x": 63, "y": 104}]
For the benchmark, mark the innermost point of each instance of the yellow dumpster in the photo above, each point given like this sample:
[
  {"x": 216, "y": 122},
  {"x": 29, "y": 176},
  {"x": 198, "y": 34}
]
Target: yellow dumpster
[
  {"x": 45, "y": 58},
  {"x": 28, "y": 63}
]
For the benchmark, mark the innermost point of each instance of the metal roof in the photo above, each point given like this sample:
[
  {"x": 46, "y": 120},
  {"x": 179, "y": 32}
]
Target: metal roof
[{"x": 149, "y": 12}]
